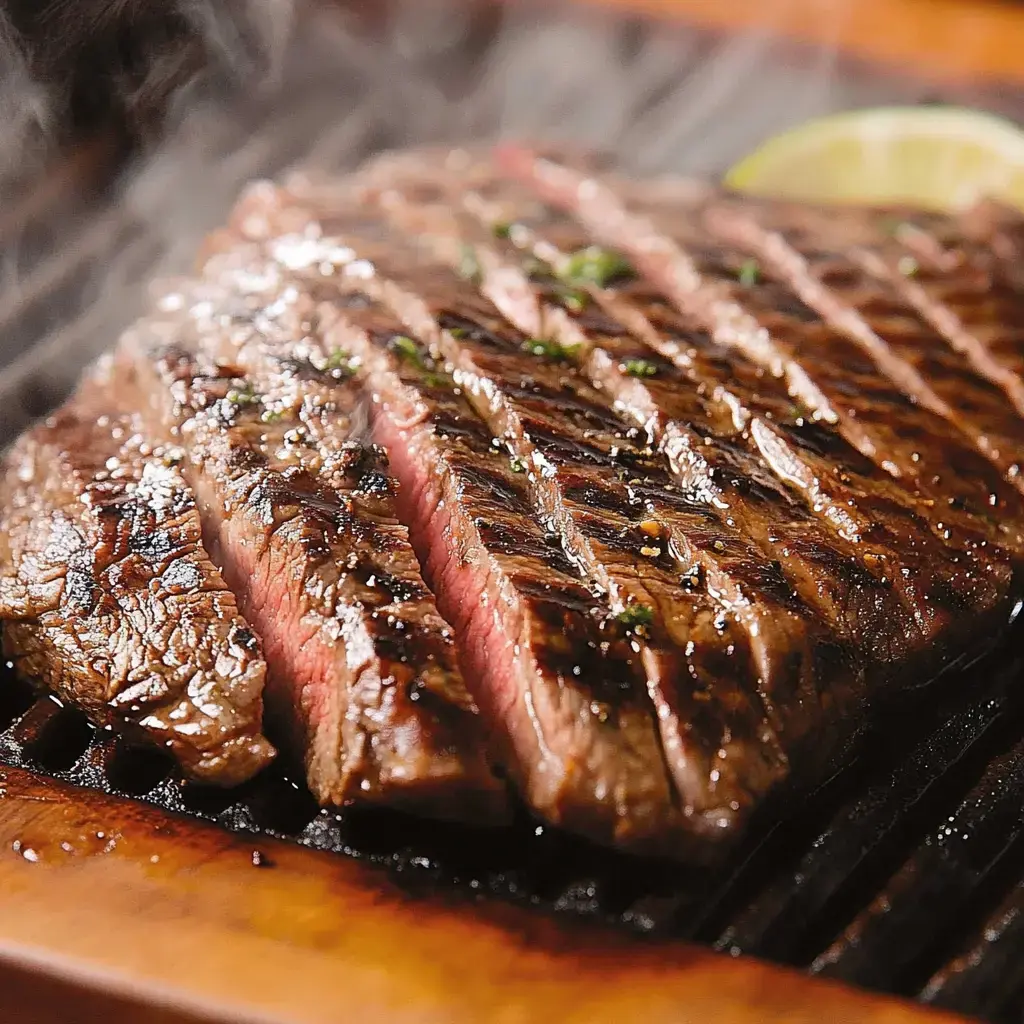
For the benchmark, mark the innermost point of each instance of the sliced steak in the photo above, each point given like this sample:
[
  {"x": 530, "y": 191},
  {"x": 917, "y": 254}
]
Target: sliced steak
[
  {"x": 109, "y": 597},
  {"x": 556, "y": 672},
  {"x": 834, "y": 376},
  {"x": 870, "y": 307},
  {"x": 300, "y": 514},
  {"x": 695, "y": 422},
  {"x": 720, "y": 748}
]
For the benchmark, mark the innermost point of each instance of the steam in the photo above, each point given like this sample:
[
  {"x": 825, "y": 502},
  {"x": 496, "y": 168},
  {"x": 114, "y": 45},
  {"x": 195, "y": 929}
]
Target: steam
[{"x": 251, "y": 88}]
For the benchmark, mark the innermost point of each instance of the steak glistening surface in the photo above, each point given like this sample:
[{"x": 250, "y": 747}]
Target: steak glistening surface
[{"x": 695, "y": 482}]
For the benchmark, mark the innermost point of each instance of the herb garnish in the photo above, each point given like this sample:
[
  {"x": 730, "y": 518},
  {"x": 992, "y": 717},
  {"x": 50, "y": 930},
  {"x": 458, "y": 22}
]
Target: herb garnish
[
  {"x": 501, "y": 229},
  {"x": 517, "y": 465},
  {"x": 573, "y": 299},
  {"x": 640, "y": 368},
  {"x": 634, "y": 615},
  {"x": 271, "y": 415},
  {"x": 536, "y": 269},
  {"x": 549, "y": 349},
  {"x": 469, "y": 265},
  {"x": 907, "y": 266},
  {"x": 339, "y": 361},
  {"x": 749, "y": 273},
  {"x": 245, "y": 395},
  {"x": 406, "y": 348},
  {"x": 597, "y": 266}
]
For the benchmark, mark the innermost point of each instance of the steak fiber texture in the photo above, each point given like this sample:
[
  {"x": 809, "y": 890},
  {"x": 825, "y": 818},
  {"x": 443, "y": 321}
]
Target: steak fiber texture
[{"x": 641, "y": 496}]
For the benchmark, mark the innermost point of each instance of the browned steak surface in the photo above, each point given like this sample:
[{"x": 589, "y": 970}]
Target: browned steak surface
[
  {"x": 562, "y": 675},
  {"x": 700, "y": 484},
  {"x": 298, "y": 508},
  {"x": 109, "y": 596},
  {"x": 828, "y": 577}
]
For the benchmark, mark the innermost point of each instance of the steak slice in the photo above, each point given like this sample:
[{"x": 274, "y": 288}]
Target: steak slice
[
  {"x": 555, "y": 671},
  {"x": 715, "y": 717},
  {"x": 108, "y": 596},
  {"x": 300, "y": 515},
  {"x": 871, "y": 308},
  {"x": 876, "y": 528},
  {"x": 833, "y": 375}
]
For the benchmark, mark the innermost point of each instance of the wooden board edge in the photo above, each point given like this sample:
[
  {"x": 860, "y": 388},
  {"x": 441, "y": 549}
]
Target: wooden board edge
[
  {"x": 120, "y": 898},
  {"x": 945, "y": 40}
]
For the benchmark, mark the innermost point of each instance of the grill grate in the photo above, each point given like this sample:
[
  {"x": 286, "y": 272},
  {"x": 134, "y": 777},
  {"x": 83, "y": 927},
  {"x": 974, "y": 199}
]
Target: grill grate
[
  {"x": 904, "y": 873},
  {"x": 913, "y": 886}
]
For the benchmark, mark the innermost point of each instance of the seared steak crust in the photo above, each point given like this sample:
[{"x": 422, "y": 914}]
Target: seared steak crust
[
  {"x": 695, "y": 480},
  {"x": 109, "y": 597},
  {"x": 300, "y": 513}
]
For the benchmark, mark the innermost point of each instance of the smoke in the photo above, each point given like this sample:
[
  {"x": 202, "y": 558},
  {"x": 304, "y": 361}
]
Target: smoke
[
  {"x": 224, "y": 91},
  {"x": 80, "y": 64}
]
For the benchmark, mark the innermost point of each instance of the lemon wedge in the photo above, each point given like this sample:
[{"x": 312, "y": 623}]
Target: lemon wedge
[{"x": 941, "y": 158}]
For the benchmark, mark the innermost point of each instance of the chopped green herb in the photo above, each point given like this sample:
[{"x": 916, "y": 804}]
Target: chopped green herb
[
  {"x": 908, "y": 266},
  {"x": 596, "y": 266},
  {"x": 634, "y": 615},
  {"x": 573, "y": 299},
  {"x": 271, "y": 415},
  {"x": 536, "y": 269},
  {"x": 517, "y": 465},
  {"x": 501, "y": 229},
  {"x": 339, "y": 359},
  {"x": 437, "y": 380},
  {"x": 749, "y": 273},
  {"x": 406, "y": 348},
  {"x": 242, "y": 396},
  {"x": 469, "y": 265},
  {"x": 458, "y": 332},
  {"x": 549, "y": 349},
  {"x": 640, "y": 368}
]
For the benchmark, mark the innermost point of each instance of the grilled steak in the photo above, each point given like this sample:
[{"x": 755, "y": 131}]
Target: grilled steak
[
  {"x": 109, "y": 597},
  {"x": 691, "y": 504},
  {"x": 299, "y": 513}
]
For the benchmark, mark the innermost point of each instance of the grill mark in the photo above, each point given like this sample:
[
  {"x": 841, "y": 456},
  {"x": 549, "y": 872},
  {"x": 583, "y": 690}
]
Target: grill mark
[
  {"x": 735, "y": 572},
  {"x": 924, "y": 332},
  {"x": 969, "y": 284},
  {"x": 903, "y": 360},
  {"x": 274, "y": 447},
  {"x": 877, "y": 419},
  {"x": 943, "y": 263},
  {"x": 486, "y": 338},
  {"x": 570, "y": 648},
  {"x": 113, "y": 600},
  {"x": 652, "y": 411}
]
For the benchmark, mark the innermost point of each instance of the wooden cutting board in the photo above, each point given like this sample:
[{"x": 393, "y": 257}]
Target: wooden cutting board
[
  {"x": 942, "y": 39},
  {"x": 144, "y": 910}
]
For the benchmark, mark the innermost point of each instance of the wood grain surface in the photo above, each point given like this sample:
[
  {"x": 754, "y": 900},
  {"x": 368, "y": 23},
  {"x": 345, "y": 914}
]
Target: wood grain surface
[
  {"x": 139, "y": 906},
  {"x": 949, "y": 39}
]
